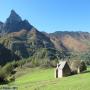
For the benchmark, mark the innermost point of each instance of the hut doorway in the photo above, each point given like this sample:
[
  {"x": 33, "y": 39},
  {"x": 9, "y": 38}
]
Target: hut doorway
[{"x": 56, "y": 73}]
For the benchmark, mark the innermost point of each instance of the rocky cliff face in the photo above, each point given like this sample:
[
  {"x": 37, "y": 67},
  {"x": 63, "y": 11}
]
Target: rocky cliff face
[
  {"x": 14, "y": 17},
  {"x": 14, "y": 23}
]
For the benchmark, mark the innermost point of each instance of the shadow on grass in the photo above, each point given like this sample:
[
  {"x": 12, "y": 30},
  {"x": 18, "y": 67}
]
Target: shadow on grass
[
  {"x": 83, "y": 72},
  {"x": 88, "y": 71},
  {"x": 4, "y": 82}
]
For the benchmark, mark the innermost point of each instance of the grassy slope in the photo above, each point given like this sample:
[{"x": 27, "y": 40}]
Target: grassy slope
[{"x": 43, "y": 79}]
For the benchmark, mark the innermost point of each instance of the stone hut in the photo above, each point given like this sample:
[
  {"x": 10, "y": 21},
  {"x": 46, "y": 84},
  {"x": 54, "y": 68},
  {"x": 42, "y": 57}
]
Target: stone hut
[
  {"x": 77, "y": 66},
  {"x": 62, "y": 69}
]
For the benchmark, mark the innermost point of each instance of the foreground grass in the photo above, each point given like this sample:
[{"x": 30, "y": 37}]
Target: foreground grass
[{"x": 43, "y": 79}]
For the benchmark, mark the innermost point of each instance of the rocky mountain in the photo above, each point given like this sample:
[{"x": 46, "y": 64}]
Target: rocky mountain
[
  {"x": 24, "y": 40},
  {"x": 14, "y": 23},
  {"x": 1, "y": 26},
  {"x": 72, "y": 41}
]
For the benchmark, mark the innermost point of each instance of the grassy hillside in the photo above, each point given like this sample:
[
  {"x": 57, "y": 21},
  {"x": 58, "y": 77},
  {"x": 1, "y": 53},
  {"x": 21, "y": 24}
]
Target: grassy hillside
[{"x": 43, "y": 79}]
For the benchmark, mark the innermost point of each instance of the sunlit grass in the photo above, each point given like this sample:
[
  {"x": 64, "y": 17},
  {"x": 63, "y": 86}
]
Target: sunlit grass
[{"x": 43, "y": 79}]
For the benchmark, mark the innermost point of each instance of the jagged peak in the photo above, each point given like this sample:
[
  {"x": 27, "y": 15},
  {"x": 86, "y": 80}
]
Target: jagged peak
[
  {"x": 26, "y": 22},
  {"x": 13, "y": 11},
  {"x": 1, "y": 22},
  {"x": 14, "y": 17}
]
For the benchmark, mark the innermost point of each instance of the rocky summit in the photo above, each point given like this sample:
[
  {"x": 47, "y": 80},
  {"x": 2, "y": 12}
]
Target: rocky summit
[{"x": 14, "y": 23}]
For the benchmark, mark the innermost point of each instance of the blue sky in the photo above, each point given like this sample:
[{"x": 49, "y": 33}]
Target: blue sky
[{"x": 50, "y": 15}]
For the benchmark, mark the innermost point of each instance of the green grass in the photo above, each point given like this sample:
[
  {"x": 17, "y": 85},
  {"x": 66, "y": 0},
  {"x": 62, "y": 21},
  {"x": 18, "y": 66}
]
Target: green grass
[
  {"x": 43, "y": 79},
  {"x": 35, "y": 75}
]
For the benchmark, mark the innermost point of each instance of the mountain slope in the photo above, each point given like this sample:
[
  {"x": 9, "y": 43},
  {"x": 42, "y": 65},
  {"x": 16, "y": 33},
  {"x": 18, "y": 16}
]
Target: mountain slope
[
  {"x": 25, "y": 43},
  {"x": 6, "y": 55},
  {"x": 24, "y": 40},
  {"x": 73, "y": 41}
]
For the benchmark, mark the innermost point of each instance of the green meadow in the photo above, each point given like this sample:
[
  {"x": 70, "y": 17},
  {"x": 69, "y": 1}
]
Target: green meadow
[{"x": 43, "y": 79}]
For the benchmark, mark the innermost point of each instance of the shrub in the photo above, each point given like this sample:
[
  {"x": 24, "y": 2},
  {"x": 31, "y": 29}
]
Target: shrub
[
  {"x": 8, "y": 68},
  {"x": 6, "y": 72},
  {"x": 3, "y": 76}
]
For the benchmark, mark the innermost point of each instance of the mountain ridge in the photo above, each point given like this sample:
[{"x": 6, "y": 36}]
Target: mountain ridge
[
  {"x": 75, "y": 39},
  {"x": 16, "y": 34},
  {"x": 15, "y": 23}
]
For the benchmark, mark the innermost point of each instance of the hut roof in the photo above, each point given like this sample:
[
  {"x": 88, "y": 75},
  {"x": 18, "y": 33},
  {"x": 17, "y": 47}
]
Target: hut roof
[{"x": 62, "y": 64}]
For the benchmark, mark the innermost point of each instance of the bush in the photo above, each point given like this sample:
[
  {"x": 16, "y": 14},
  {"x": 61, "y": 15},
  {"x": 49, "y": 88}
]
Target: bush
[
  {"x": 3, "y": 77},
  {"x": 11, "y": 79},
  {"x": 8, "y": 69},
  {"x": 6, "y": 72}
]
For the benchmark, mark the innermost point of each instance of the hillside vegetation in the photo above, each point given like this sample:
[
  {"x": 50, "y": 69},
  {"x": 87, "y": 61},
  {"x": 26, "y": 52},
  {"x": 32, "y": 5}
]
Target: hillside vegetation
[
  {"x": 24, "y": 41},
  {"x": 43, "y": 79}
]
